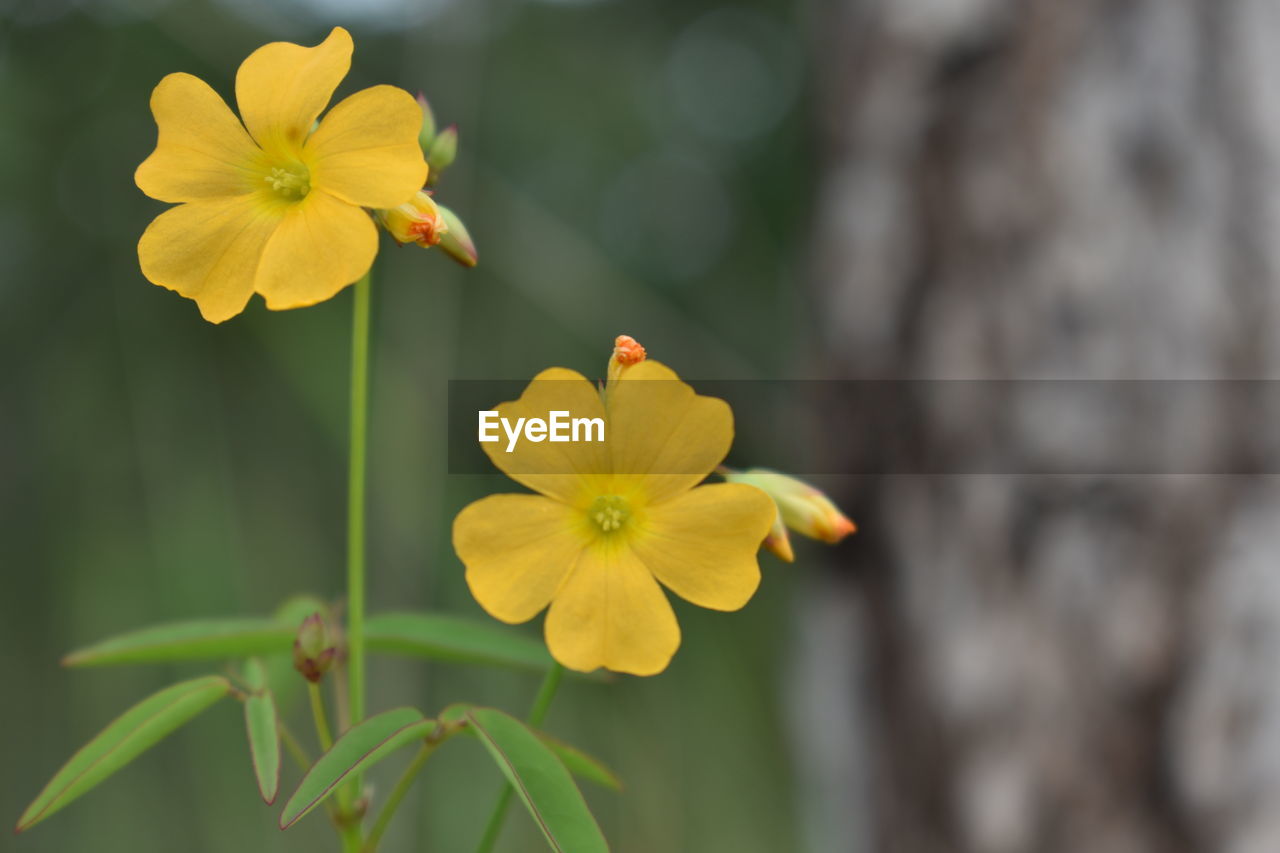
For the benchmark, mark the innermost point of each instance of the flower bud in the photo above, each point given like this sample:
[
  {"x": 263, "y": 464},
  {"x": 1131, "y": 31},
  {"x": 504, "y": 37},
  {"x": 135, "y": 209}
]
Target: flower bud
[
  {"x": 626, "y": 352},
  {"x": 778, "y": 541},
  {"x": 313, "y": 651},
  {"x": 419, "y": 221},
  {"x": 456, "y": 241},
  {"x": 443, "y": 151},
  {"x": 427, "y": 134},
  {"x": 801, "y": 508}
]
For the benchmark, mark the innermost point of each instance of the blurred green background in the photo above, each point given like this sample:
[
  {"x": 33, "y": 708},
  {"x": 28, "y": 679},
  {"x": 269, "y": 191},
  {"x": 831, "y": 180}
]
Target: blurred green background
[{"x": 625, "y": 167}]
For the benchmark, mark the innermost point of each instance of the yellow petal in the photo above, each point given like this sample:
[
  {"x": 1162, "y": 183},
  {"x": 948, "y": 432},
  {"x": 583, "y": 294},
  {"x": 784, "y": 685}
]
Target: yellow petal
[
  {"x": 322, "y": 245},
  {"x": 517, "y": 549},
  {"x": 702, "y": 544},
  {"x": 202, "y": 151},
  {"x": 282, "y": 87},
  {"x": 574, "y": 471},
  {"x": 366, "y": 150},
  {"x": 209, "y": 251},
  {"x": 610, "y": 612},
  {"x": 663, "y": 434}
]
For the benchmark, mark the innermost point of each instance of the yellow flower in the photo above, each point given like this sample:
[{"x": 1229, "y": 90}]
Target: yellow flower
[
  {"x": 274, "y": 205},
  {"x": 613, "y": 519}
]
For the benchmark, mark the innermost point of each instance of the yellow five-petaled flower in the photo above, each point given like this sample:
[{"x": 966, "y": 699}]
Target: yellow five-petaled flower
[
  {"x": 614, "y": 519},
  {"x": 275, "y": 205}
]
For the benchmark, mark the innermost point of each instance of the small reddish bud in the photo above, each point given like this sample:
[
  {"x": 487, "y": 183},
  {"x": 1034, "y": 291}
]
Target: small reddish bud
[{"x": 313, "y": 652}]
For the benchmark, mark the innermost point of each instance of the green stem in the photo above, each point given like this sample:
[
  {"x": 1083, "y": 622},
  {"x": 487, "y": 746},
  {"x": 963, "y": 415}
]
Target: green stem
[
  {"x": 356, "y": 499},
  {"x": 350, "y": 794},
  {"x": 292, "y": 746},
  {"x": 397, "y": 794},
  {"x": 537, "y": 713},
  {"x": 321, "y": 718}
]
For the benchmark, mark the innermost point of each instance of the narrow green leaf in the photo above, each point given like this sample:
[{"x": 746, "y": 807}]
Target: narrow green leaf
[
  {"x": 454, "y": 638},
  {"x": 196, "y": 640},
  {"x": 581, "y": 764},
  {"x": 262, "y": 724},
  {"x": 540, "y": 781},
  {"x": 359, "y": 748},
  {"x": 135, "y": 731}
]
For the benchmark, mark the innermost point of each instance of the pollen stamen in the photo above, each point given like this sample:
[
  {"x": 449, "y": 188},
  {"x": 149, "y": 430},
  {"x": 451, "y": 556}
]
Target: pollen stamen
[
  {"x": 289, "y": 183},
  {"x": 609, "y": 512}
]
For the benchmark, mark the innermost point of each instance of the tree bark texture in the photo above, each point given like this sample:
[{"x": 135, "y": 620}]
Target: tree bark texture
[{"x": 1049, "y": 189}]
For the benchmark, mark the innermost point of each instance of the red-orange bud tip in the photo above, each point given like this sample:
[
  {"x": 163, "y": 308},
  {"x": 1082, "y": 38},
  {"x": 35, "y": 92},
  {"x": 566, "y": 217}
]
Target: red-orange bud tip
[
  {"x": 839, "y": 527},
  {"x": 627, "y": 350}
]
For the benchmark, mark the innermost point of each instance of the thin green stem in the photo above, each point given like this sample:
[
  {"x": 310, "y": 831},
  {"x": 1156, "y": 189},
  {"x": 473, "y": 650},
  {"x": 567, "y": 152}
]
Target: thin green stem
[
  {"x": 349, "y": 795},
  {"x": 494, "y": 828},
  {"x": 537, "y": 713},
  {"x": 318, "y": 713},
  {"x": 356, "y": 499},
  {"x": 351, "y": 842},
  {"x": 348, "y": 828},
  {"x": 293, "y": 747},
  {"x": 397, "y": 794},
  {"x": 547, "y": 692}
]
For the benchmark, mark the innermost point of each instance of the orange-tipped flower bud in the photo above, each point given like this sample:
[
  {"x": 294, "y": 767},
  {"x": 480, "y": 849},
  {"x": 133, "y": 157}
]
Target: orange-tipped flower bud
[
  {"x": 419, "y": 221},
  {"x": 313, "y": 652},
  {"x": 778, "y": 542},
  {"x": 626, "y": 352},
  {"x": 801, "y": 508}
]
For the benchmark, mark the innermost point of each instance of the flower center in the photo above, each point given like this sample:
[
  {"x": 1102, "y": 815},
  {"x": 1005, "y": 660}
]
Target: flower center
[
  {"x": 291, "y": 182},
  {"x": 609, "y": 513}
]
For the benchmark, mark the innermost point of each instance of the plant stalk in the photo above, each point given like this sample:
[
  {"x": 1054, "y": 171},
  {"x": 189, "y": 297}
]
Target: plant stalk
[
  {"x": 397, "y": 794},
  {"x": 350, "y": 793},
  {"x": 323, "y": 732},
  {"x": 356, "y": 499}
]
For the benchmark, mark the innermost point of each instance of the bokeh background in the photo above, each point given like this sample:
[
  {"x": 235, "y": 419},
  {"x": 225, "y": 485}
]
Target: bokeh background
[{"x": 834, "y": 189}]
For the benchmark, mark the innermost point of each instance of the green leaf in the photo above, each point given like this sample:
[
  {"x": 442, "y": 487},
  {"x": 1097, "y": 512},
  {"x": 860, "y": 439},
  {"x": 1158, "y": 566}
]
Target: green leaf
[
  {"x": 135, "y": 731},
  {"x": 454, "y": 638},
  {"x": 360, "y": 747},
  {"x": 540, "y": 781},
  {"x": 262, "y": 724},
  {"x": 581, "y": 764},
  {"x": 195, "y": 640}
]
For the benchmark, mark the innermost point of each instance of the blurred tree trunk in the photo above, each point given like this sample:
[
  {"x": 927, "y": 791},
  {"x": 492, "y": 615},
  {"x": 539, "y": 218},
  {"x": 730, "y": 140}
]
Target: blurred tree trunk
[{"x": 1050, "y": 188}]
